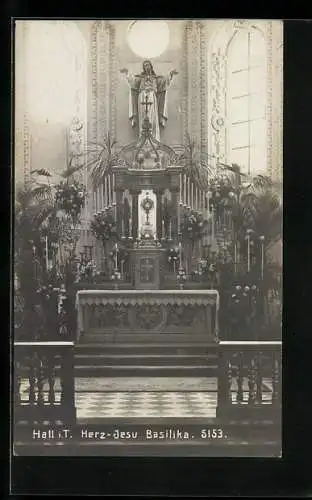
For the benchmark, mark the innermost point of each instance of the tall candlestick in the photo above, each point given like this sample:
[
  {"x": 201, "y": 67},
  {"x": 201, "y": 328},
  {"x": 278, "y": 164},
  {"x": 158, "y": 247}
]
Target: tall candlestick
[
  {"x": 192, "y": 198},
  {"x": 248, "y": 252},
  {"x": 170, "y": 228},
  {"x": 122, "y": 227},
  {"x": 122, "y": 267},
  {"x": 180, "y": 254},
  {"x": 189, "y": 193},
  {"x": 94, "y": 202},
  {"x": 163, "y": 228},
  {"x": 212, "y": 222},
  {"x": 184, "y": 200},
  {"x": 47, "y": 253},
  {"x": 116, "y": 256},
  {"x": 130, "y": 228},
  {"x": 109, "y": 191},
  {"x": 262, "y": 256},
  {"x": 114, "y": 188},
  {"x": 98, "y": 199},
  {"x": 203, "y": 204},
  {"x": 235, "y": 258},
  {"x": 180, "y": 182},
  {"x": 102, "y": 194},
  {"x": 107, "y": 195},
  {"x": 196, "y": 198}
]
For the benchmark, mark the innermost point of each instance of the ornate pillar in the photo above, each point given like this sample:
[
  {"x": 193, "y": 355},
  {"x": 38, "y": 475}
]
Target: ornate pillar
[
  {"x": 119, "y": 209},
  {"x": 277, "y": 98},
  {"x": 218, "y": 105},
  {"x": 269, "y": 106},
  {"x": 22, "y": 130},
  {"x": 135, "y": 213},
  {"x": 193, "y": 39},
  {"x": 104, "y": 74},
  {"x": 159, "y": 212},
  {"x": 175, "y": 204}
]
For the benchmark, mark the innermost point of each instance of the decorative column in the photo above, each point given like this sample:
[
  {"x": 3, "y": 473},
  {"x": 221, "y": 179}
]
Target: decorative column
[
  {"x": 269, "y": 106},
  {"x": 159, "y": 212},
  {"x": 104, "y": 78},
  {"x": 175, "y": 204},
  {"x": 277, "y": 99},
  {"x": 119, "y": 210},
  {"x": 217, "y": 111},
  {"x": 135, "y": 213},
  {"x": 193, "y": 39}
]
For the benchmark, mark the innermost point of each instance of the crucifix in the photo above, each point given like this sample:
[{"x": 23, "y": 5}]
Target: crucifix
[
  {"x": 146, "y": 268},
  {"x": 146, "y": 103}
]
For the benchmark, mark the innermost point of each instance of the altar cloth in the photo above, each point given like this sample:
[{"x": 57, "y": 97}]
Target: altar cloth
[{"x": 166, "y": 311}]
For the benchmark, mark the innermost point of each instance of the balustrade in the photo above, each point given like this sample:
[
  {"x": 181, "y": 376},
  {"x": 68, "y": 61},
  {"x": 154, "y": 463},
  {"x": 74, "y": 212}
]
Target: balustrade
[
  {"x": 44, "y": 382},
  {"x": 249, "y": 380}
]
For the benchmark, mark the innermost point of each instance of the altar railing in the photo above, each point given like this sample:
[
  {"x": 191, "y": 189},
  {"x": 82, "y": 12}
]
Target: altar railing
[
  {"x": 249, "y": 380},
  {"x": 44, "y": 388}
]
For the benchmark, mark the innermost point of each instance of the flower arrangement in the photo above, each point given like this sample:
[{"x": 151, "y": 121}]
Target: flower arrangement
[
  {"x": 86, "y": 271},
  {"x": 181, "y": 277},
  {"x": 173, "y": 255},
  {"x": 103, "y": 226},
  {"x": 122, "y": 254},
  {"x": 192, "y": 225},
  {"x": 70, "y": 197}
]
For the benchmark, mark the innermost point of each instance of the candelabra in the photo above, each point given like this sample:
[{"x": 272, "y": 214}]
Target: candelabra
[
  {"x": 116, "y": 275},
  {"x": 181, "y": 275}
]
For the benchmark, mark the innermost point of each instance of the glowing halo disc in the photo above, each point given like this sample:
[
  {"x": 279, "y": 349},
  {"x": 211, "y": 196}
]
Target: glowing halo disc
[{"x": 148, "y": 39}]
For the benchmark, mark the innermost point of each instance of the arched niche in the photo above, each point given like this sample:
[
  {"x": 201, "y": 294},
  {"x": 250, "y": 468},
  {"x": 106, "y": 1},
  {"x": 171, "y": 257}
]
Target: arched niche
[
  {"x": 221, "y": 54},
  {"x": 55, "y": 94}
]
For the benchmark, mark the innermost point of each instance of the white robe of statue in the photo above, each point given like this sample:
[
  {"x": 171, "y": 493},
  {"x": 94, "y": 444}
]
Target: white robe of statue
[{"x": 148, "y": 95}]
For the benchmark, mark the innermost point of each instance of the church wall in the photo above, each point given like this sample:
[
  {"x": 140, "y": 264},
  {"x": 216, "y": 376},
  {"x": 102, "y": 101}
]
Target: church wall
[{"x": 50, "y": 92}]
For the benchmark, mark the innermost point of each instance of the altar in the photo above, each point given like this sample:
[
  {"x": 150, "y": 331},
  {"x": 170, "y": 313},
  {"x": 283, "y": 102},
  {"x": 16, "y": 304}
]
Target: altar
[
  {"x": 156, "y": 314},
  {"x": 147, "y": 310}
]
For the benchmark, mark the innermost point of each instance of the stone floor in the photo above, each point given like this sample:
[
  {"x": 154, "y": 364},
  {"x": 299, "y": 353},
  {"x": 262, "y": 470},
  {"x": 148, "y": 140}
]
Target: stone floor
[{"x": 144, "y": 397}]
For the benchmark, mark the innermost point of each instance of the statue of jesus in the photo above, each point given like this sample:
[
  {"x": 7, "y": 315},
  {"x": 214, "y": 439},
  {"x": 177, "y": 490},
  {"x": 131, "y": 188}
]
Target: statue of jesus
[{"x": 148, "y": 97}]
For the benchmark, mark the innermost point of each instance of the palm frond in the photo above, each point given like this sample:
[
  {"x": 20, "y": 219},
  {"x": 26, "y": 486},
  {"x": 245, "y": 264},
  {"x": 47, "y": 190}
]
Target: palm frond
[{"x": 41, "y": 171}]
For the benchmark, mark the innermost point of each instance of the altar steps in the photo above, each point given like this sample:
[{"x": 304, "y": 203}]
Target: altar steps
[{"x": 149, "y": 359}]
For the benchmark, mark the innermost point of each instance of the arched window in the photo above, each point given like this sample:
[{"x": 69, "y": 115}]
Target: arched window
[{"x": 246, "y": 101}]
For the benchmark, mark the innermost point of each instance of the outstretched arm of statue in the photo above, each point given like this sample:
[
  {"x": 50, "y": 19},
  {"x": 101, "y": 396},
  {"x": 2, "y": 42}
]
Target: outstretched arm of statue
[
  {"x": 170, "y": 76},
  {"x": 129, "y": 77}
]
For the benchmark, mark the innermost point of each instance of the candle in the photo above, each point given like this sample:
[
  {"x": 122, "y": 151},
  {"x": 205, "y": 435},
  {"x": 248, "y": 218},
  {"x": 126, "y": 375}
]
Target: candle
[
  {"x": 105, "y": 190},
  {"x": 189, "y": 192},
  {"x": 163, "y": 228},
  {"x": 109, "y": 191},
  {"x": 130, "y": 228},
  {"x": 203, "y": 204},
  {"x": 47, "y": 254},
  {"x": 122, "y": 267},
  {"x": 180, "y": 182},
  {"x": 122, "y": 228},
  {"x": 235, "y": 258},
  {"x": 262, "y": 256},
  {"x": 94, "y": 202},
  {"x": 170, "y": 227},
  {"x": 184, "y": 201},
  {"x": 102, "y": 195},
  {"x": 248, "y": 252},
  {"x": 98, "y": 199},
  {"x": 196, "y": 198},
  {"x": 116, "y": 256},
  {"x": 114, "y": 189},
  {"x": 192, "y": 198},
  {"x": 212, "y": 222},
  {"x": 180, "y": 253}
]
